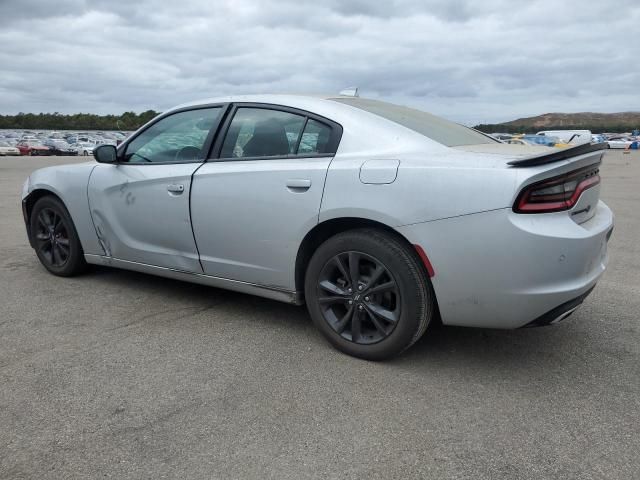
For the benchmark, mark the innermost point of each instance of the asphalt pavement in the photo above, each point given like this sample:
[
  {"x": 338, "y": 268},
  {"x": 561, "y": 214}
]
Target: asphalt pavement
[{"x": 116, "y": 374}]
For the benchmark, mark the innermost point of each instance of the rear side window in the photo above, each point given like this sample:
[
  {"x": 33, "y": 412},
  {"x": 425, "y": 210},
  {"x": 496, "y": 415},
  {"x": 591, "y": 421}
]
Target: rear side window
[
  {"x": 438, "y": 129},
  {"x": 263, "y": 132},
  {"x": 315, "y": 138},
  {"x": 260, "y": 132}
]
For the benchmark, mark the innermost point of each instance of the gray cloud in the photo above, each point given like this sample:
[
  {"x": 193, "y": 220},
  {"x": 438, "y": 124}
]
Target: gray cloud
[{"x": 466, "y": 60}]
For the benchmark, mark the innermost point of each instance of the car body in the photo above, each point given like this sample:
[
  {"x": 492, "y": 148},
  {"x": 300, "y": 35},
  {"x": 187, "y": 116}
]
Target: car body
[
  {"x": 254, "y": 193},
  {"x": 32, "y": 147},
  {"x": 619, "y": 142},
  {"x": 7, "y": 149}
]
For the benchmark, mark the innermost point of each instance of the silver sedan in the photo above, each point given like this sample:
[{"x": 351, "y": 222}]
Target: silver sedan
[{"x": 382, "y": 219}]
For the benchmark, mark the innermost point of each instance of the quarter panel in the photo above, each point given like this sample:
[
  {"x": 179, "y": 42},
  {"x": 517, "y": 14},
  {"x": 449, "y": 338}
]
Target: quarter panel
[{"x": 428, "y": 186}]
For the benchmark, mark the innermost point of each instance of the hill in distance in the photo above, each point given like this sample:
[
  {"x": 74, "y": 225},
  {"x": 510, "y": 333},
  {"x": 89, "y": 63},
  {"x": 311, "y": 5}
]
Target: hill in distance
[{"x": 596, "y": 122}]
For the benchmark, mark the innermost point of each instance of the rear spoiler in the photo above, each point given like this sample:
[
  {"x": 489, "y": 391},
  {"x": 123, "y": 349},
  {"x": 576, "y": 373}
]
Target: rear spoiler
[{"x": 557, "y": 156}]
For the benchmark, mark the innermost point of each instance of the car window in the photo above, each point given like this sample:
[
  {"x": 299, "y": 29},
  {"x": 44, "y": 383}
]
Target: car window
[
  {"x": 176, "y": 138},
  {"x": 261, "y": 132},
  {"x": 315, "y": 138}
]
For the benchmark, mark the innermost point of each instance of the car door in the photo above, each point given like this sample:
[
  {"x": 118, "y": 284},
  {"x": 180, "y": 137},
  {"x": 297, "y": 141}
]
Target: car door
[
  {"x": 252, "y": 205},
  {"x": 140, "y": 205}
]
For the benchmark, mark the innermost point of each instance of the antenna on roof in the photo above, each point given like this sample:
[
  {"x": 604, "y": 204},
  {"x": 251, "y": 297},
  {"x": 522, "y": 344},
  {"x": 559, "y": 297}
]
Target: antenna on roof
[{"x": 350, "y": 92}]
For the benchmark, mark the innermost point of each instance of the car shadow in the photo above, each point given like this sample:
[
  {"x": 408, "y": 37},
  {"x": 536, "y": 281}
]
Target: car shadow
[
  {"x": 538, "y": 348},
  {"x": 203, "y": 296}
]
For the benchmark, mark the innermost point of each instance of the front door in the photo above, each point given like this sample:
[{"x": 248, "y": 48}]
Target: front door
[{"x": 140, "y": 206}]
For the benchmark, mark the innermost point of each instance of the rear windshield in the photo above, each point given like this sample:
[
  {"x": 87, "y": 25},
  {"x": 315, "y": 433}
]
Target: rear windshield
[{"x": 436, "y": 128}]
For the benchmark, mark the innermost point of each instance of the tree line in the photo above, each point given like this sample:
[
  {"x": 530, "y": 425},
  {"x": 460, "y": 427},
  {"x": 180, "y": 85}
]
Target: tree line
[
  {"x": 595, "y": 128},
  {"x": 132, "y": 121},
  {"x": 76, "y": 121}
]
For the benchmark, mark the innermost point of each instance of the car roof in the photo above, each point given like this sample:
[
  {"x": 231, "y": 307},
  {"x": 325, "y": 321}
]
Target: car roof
[{"x": 318, "y": 104}]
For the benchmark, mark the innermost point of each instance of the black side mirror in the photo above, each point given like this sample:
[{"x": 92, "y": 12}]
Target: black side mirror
[{"x": 105, "y": 154}]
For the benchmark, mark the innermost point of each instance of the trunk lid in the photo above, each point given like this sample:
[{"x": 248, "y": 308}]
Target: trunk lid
[{"x": 532, "y": 165}]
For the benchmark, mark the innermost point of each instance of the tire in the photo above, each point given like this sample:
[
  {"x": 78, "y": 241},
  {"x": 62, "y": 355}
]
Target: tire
[
  {"x": 394, "y": 307},
  {"x": 55, "y": 238}
]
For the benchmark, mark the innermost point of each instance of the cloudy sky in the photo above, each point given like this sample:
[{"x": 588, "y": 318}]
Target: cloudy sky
[{"x": 470, "y": 61}]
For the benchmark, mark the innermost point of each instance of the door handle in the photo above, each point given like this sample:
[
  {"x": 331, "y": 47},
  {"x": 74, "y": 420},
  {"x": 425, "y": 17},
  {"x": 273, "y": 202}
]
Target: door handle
[
  {"x": 175, "y": 188},
  {"x": 298, "y": 184}
]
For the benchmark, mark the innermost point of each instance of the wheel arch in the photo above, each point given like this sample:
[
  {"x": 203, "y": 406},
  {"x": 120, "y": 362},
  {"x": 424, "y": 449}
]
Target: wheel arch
[
  {"x": 30, "y": 200},
  {"x": 328, "y": 228}
]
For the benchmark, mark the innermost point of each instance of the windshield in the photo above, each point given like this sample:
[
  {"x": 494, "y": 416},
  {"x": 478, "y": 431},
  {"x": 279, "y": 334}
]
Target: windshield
[{"x": 438, "y": 129}]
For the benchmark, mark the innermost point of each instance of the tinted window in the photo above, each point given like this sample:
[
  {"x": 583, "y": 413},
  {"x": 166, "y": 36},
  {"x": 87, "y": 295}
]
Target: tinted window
[
  {"x": 436, "y": 128},
  {"x": 315, "y": 138},
  {"x": 260, "y": 132},
  {"x": 176, "y": 138}
]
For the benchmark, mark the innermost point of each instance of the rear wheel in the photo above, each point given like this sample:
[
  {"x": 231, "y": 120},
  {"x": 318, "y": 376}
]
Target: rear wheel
[
  {"x": 55, "y": 239},
  {"x": 368, "y": 294}
]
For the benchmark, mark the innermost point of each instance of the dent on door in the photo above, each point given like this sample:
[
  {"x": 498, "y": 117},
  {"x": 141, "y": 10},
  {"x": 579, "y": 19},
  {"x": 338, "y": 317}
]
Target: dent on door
[{"x": 141, "y": 214}]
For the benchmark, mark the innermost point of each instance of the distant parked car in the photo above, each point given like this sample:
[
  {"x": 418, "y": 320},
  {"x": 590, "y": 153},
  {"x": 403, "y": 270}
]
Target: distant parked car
[
  {"x": 517, "y": 141},
  {"x": 84, "y": 148},
  {"x": 7, "y": 149},
  {"x": 546, "y": 140},
  {"x": 574, "y": 137},
  {"x": 32, "y": 147},
  {"x": 503, "y": 137},
  {"x": 619, "y": 142},
  {"x": 60, "y": 147},
  {"x": 598, "y": 138}
]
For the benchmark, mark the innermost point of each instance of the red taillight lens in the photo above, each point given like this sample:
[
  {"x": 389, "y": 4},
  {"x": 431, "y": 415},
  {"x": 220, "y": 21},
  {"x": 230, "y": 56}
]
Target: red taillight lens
[{"x": 558, "y": 193}]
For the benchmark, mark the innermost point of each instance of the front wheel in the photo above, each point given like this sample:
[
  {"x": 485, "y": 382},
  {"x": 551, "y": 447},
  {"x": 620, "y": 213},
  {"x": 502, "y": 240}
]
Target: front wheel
[
  {"x": 55, "y": 239},
  {"x": 368, "y": 294}
]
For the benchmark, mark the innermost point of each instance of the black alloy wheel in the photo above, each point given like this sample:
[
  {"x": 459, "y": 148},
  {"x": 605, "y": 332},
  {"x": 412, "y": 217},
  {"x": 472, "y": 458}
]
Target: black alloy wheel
[
  {"x": 52, "y": 237},
  {"x": 55, "y": 239},
  {"x": 358, "y": 297},
  {"x": 368, "y": 293}
]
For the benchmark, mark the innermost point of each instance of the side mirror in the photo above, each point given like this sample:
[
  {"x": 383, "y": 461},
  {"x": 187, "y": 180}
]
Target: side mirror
[{"x": 105, "y": 154}]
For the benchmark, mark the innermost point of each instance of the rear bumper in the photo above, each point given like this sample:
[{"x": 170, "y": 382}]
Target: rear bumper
[
  {"x": 561, "y": 312},
  {"x": 500, "y": 269}
]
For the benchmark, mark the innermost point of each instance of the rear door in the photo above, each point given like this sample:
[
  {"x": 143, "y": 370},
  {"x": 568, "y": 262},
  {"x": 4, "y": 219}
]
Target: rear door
[
  {"x": 140, "y": 206},
  {"x": 253, "y": 202}
]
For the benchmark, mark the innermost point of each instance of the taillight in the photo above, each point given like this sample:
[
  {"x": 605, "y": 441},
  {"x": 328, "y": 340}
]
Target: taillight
[{"x": 557, "y": 193}]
